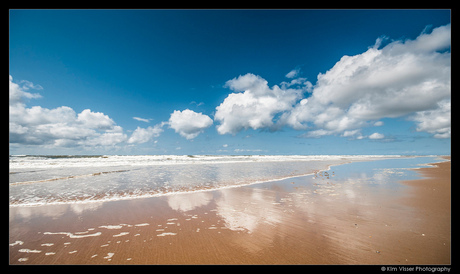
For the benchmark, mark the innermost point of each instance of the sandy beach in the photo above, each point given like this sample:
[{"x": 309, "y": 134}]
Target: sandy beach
[
  {"x": 163, "y": 137},
  {"x": 333, "y": 217}
]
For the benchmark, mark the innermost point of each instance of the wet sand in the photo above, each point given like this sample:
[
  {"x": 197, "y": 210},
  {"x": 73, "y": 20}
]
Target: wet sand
[
  {"x": 323, "y": 219},
  {"x": 432, "y": 199}
]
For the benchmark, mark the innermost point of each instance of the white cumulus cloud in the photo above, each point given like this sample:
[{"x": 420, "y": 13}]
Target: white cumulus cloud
[
  {"x": 143, "y": 135},
  {"x": 436, "y": 121},
  {"x": 18, "y": 93},
  {"x": 376, "y": 136},
  {"x": 189, "y": 124},
  {"x": 253, "y": 105},
  {"x": 409, "y": 78},
  {"x": 403, "y": 78},
  {"x": 63, "y": 127},
  {"x": 96, "y": 120},
  {"x": 293, "y": 73},
  {"x": 58, "y": 127}
]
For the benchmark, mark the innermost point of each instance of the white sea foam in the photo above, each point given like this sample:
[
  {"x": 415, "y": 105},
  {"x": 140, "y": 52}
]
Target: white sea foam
[
  {"x": 144, "y": 224},
  {"x": 21, "y": 161},
  {"x": 121, "y": 234},
  {"x": 26, "y": 250},
  {"x": 166, "y": 234},
  {"x": 109, "y": 255},
  {"x": 71, "y": 235},
  {"x": 111, "y": 226},
  {"x": 17, "y": 243}
]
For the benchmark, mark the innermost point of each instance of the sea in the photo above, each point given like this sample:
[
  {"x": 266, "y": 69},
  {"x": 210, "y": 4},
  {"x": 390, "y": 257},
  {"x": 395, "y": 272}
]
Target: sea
[{"x": 36, "y": 180}]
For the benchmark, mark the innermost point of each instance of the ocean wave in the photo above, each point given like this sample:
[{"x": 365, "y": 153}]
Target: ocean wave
[
  {"x": 59, "y": 161},
  {"x": 65, "y": 177}
]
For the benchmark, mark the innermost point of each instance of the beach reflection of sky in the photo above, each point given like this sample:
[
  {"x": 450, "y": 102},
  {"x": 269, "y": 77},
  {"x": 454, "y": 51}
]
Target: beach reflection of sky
[
  {"x": 360, "y": 183},
  {"x": 242, "y": 207},
  {"x": 63, "y": 185}
]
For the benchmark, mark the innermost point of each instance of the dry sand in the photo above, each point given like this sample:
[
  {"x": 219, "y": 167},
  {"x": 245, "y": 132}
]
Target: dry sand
[{"x": 296, "y": 221}]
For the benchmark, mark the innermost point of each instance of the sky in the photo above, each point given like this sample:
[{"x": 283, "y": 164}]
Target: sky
[{"x": 230, "y": 82}]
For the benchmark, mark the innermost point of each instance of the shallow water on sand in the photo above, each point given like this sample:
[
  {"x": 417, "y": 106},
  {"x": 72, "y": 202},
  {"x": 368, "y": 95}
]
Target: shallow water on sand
[{"x": 38, "y": 180}]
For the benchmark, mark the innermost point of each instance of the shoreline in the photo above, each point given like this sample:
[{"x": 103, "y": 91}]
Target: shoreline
[
  {"x": 153, "y": 195},
  {"x": 146, "y": 196},
  {"x": 431, "y": 195},
  {"x": 328, "y": 218}
]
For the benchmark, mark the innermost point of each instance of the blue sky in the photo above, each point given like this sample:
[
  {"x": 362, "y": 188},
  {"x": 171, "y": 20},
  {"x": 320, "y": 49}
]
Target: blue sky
[{"x": 229, "y": 82}]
